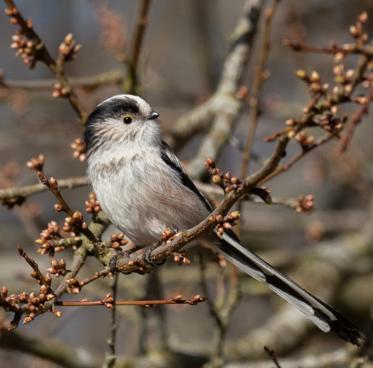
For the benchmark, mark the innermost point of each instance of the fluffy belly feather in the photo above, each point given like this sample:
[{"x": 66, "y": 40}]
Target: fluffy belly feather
[{"x": 143, "y": 200}]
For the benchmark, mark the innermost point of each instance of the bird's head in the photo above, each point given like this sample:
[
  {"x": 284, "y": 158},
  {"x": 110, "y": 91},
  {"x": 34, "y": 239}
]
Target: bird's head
[{"x": 120, "y": 120}]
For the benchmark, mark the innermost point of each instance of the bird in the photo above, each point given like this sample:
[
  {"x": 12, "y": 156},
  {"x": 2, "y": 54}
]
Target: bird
[{"x": 143, "y": 188}]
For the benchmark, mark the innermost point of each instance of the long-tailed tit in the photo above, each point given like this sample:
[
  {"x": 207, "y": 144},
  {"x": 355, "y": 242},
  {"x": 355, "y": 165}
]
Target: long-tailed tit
[{"x": 143, "y": 188}]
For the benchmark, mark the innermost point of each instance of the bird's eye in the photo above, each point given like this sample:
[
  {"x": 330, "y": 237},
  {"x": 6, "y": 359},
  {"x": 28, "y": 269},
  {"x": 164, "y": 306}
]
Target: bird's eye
[{"x": 127, "y": 119}]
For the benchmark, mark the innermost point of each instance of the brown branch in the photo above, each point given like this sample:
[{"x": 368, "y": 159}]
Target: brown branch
[
  {"x": 49, "y": 349},
  {"x": 221, "y": 110},
  {"x": 273, "y": 356},
  {"x": 66, "y": 242},
  {"x": 131, "y": 81},
  {"x": 257, "y": 85},
  {"x": 105, "y": 272},
  {"x": 41, "y": 53},
  {"x": 78, "y": 225},
  {"x": 38, "y": 275},
  {"x": 297, "y": 157},
  {"x": 338, "y": 358},
  {"x": 17, "y": 195},
  {"x": 355, "y": 121},
  {"x": 96, "y": 227},
  {"x": 90, "y": 82},
  {"x": 333, "y": 49},
  {"x": 110, "y": 357},
  {"x": 227, "y": 99},
  {"x": 179, "y": 299},
  {"x": 220, "y": 323}
]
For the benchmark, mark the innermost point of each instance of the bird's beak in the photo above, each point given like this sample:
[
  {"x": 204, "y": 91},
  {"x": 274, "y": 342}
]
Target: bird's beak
[{"x": 153, "y": 115}]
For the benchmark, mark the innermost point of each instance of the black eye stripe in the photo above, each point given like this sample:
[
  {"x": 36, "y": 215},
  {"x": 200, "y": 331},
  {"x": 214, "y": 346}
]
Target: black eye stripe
[{"x": 114, "y": 109}]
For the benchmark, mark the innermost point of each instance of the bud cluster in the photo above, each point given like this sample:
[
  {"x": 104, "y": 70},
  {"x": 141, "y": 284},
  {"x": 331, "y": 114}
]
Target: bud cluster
[
  {"x": 226, "y": 222},
  {"x": 36, "y": 163},
  {"x": 167, "y": 234},
  {"x": 68, "y": 49},
  {"x": 25, "y": 48},
  {"x": 357, "y": 30},
  {"x": 44, "y": 241},
  {"x": 305, "y": 203},
  {"x": 73, "y": 222},
  {"x": 195, "y": 299},
  {"x": 79, "y": 149},
  {"x": 313, "y": 81},
  {"x": 25, "y": 41},
  {"x": 60, "y": 90},
  {"x": 92, "y": 205},
  {"x": 118, "y": 240},
  {"x": 322, "y": 110},
  {"x": 181, "y": 258},
  {"x": 225, "y": 180},
  {"x": 58, "y": 267},
  {"x": 74, "y": 286},
  {"x": 29, "y": 303},
  {"x": 108, "y": 301}
]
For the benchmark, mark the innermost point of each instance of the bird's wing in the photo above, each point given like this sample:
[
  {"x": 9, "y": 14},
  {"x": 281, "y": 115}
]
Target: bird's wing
[{"x": 173, "y": 162}]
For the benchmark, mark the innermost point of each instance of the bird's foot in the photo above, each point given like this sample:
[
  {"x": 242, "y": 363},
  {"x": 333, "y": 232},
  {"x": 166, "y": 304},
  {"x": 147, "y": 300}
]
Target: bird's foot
[{"x": 148, "y": 254}]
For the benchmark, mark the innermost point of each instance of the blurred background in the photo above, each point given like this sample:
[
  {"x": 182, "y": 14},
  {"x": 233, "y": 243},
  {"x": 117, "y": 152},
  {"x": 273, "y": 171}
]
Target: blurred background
[{"x": 184, "y": 49}]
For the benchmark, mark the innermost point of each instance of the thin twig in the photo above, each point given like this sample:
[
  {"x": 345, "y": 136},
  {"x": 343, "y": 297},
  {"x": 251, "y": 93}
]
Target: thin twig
[
  {"x": 273, "y": 357},
  {"x": 355, "y": 121},
  {"x": 196, "y": 299},
  {"x": 297, "y": 157},
  {"x": 90, "y": 82},
  {"x": 105, "y": 272},
  {"x": 259, "y": 78},
  {"x": 17, "y": 195},
  {"x": 227, "y": 100},
  {"x": 222, "y": 108},
  {"x": 203, "y": 282},
  {"x": 38, "y": 275},
  {"x": 111, "y": 357},
  {"x": 131, "y": 81},
  {"x": 53, "y": 187},
  {"x": 332, "y": 50},
  {"x": 42, "y": 54}
]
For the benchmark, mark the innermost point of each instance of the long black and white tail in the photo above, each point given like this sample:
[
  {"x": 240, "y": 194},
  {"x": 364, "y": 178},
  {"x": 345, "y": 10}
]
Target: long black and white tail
[{"x": 321, "y": 314}]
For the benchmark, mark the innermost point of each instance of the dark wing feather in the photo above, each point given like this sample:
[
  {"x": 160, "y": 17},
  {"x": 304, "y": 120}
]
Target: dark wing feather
[{"x": 172, "y": 161}]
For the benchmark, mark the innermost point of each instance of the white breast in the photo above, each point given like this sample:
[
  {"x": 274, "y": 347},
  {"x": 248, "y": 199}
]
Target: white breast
[{"x": 142, "y": 195}]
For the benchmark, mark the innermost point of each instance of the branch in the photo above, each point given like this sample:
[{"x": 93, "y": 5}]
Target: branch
[
  {"x": 273, "y": 356},
  {"x": 223, "y": 102},
  {"x": 332, "y": 50},
  {"x": 90, "y": 82},
  {"x": 38, "y": 275},
  {"x": 355, "y": 121},
  {"x": 259, "y": 79},
  {"x": 131, "y": 81},
  {"x": 39, "y": 52},
  {"x": 227, "y": 101},
  {"x": 109, "y": 302},
  {"x": 53, "y": 351},
  {"x": 110, "y": 356},
  {"x": 338, "y": 358},
  {"x": 17, "y": 195}
]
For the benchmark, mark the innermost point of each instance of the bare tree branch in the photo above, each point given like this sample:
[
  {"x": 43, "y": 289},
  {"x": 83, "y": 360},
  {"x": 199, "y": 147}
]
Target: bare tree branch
[{"x": 222, "y": 108}]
